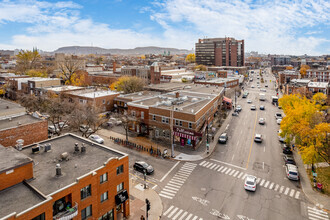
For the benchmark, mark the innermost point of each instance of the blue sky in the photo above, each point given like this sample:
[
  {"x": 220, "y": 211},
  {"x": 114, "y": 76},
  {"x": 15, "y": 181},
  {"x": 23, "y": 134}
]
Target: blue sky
[{"x": 267, "y": 26}]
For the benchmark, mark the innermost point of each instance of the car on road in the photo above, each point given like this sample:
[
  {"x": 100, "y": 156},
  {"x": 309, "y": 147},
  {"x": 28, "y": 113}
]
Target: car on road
[
  {"x": 288, "y": 159},
  {"x": 249, "y": 101},
  {"x": 258, "y": 138},
  {"x": 262, "y": 107},
  {"x": 253, "y": 107},
  {"x": 250, "y": 183},
  {"x": 85, "y": 128},
  {"x": 287, "y": 150},
  {"x": 239, "y": 108},
  {"x": 96, "y": 138},
  {"x": 142, "y": 167},
  {"x": 278, "y": 115},
  {"x": 263, "y": 90},
  {"x": 223, "y": 138},
  {"x": 278, "y": 121},
  {"x": 291, "y": 172},
  {"x": 235, "y": 113},
  {"x": 252, "y": 86},
  {"x": 266, "y": 85},
  {"x": 262, "y": 121}
]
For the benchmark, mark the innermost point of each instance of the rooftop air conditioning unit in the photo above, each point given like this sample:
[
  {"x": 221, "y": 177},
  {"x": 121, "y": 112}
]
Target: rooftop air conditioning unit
[
  {"x": 48, "y": 147},
  {"x": 36, "y": 149},
  {"x": 65, "y": 156}
]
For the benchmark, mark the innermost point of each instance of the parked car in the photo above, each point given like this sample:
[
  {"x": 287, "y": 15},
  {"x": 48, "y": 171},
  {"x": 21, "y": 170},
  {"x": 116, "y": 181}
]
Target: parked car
[
  {"x": 262, "y": 121},
  {"x": 278, "y": 121},
  {"x": 291, "y": 172},
  {"x": 266, "y": 85},
  {"x": 223, "y": 138},
  {"x": 258, "y": 138},
  {"x": 249, "y": 101},
  {"x": 53, "y": 129},
  {"x": 142, "y": 167},
  {"x": 96, "y": 138},
  {"x": 262, "y": 107},
  {"x": 287, "y": 150},
  {"x": 253, "y": 107},
  {"x": 239, "y": 108},
  {"x": 84, "y": 128},
  {"x": 278, "y": 115},
  {"x": 250, "y": 183},
  {"x": 288, "y": 159},
  {"x": 252, "y": 86},
  {"x": 234, "y": 114}
]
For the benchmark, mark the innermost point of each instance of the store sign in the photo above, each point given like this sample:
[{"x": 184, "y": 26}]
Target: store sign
[
  {"x": 165, "y": 79},
  {"x": 187, "y": 132},
  {"x": 121, "y": 197}
]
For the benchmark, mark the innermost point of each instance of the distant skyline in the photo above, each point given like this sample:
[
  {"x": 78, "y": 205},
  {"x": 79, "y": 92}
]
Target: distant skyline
[{"x": 275, "y": 26}]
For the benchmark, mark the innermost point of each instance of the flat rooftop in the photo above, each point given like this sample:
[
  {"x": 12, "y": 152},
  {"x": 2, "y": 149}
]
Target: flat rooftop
[
  {"x": 168, "y": 87},
  {"x": 11, "y": 158},
  {"x": 17, "y": 121},
  {"x": 91, "y": 93},
  {"x": 137, "y": 95},
  {"x": 8, "y": 108},
  {"x": 77, "y": 165},
  {"x": 318, "y": 84},
  {"x": 219, "y": 80},
  {"x": 62, "y": 88},
  {"x": 17, "y": 198}
]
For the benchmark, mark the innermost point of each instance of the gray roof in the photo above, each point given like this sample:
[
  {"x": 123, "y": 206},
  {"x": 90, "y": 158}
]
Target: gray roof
[
  {"x": 11, "y": 158},
  {"x": 17, "y": 121},
  {"x": 8, "y": 108}
]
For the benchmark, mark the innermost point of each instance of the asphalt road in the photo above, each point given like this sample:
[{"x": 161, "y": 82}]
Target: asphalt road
[{"x": 213, "y": 188}]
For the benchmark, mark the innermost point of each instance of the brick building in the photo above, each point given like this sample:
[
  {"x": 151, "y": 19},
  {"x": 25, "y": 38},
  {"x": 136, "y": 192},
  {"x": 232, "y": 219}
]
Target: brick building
[
  {"x": 150, "y": 74},
  {"x": 220, "y": 52},
  {"x": 296, "y": 86},
  {"x": 104, "y": 99},
  {"x": 322, "y": 75},
  {"x": 315, "y": 87},
  {"x": 287, "y": 75},
  {"x": 193, "y": 108},
  {"x": 280, "y": 60},
  {"x": 67, "y": 177}
]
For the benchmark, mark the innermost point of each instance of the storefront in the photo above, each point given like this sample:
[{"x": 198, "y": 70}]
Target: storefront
[
  {"x": 186, "y": 137},
  {"x": 121, "y": 204}
]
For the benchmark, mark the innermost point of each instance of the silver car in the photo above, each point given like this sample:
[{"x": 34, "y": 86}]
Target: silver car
[
  {"x": 292, "y": 172},
  {"x": 250, "y": 183}
]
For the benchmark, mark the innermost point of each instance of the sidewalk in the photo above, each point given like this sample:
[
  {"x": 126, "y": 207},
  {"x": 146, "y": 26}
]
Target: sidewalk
[
  {"x": 138, "y": 195},
  {"x": 320, "y": 200}
]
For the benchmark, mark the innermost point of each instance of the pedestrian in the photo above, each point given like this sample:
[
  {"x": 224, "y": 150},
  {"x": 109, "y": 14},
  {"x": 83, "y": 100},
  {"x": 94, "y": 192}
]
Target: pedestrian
[
  {"x": 142, "y": 217},
  {"x": 293, "y": 146}
]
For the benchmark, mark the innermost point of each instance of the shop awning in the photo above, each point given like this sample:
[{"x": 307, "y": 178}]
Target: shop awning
[
  {"x": 228, "y": 100},
  {"x": 185, "y": 136}
]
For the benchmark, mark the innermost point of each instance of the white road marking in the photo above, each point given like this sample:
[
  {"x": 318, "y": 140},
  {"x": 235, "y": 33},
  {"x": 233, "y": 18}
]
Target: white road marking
[
  {"x": 201, "y": 164},
  {"x": 233, "y": 157},
  {"x": 236, "y": 174},
  {"x": 189, "y": 216},
  {"x": 182, "y": 174},
  {"x": 220, "y": 168},
  {"x": 262, "y": 182},
  {"x": 169, "y": 184},
  {"x": 271, "y": 186},
  {"x": 228, "y": 164},
  {"x": 292, "y": 192},
  {"x": 224, "y": 170},
  {"x": 258, "y": 180},
  {"x": 172, "y": 213},
  {"x": 186, "y": 170},
  {"x": 286, "y": 190},
  {"x": 317, "y": 217},
  {"x": 177, "y": 214},
  {"x": 178, "y": 179},
  {"x": 204, "y": 165},
  {"x": 209, "y": 165},
  {"x": 276, "y": 187},
  {"x": 183, "y": 215},
  {"x": 244, "y": 176},
  {"x": 231, "y": 173},
  {"x": 228, "y": 170},
  {"x": 173, "y": 182},
  {"x": 168, "y": 210},
  {"x": 213, "y": 166},
  {"x": 317, "y": 210},
  {"x": 266, "y": 184},
  {"x": 154, "y": 187},
  {"x": 281, "y": 189},
  {"x": 171, "y": 188},
  {"x": 195, "y": 218},
  {"x": 165, "y": 196},
  {"x": 297, "y": 195},
  {"x": 161, "y": 180},
  {"x": 167, "y": 193},
  {"x": 239, "y": 176}
]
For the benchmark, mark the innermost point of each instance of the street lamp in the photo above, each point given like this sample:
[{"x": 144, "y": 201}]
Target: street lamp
[{"x": 207, "y": 137}]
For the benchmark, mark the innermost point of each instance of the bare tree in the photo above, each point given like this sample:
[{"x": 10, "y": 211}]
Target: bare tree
[{"x": 68, "y": 67}]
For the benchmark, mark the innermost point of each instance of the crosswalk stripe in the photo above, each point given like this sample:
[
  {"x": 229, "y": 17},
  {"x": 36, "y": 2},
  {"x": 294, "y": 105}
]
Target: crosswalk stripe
[
  {"x": 168, "y": 210},
  {"x": 173, "y": 182},
  {"x": 183, "y": 215},
  {"x": 177, "y": 214},
  {"x": 172, "y": 188},
  {"x": 220, "y": 168},
  {"x": 297, "y": 195},
  {"x": 205, "y": 164},
  {"x": 182, "y": 174},
  {"x": 165, "y": 196},
  {"x": 266, "y": 184},
  {"x": 228, "y": 170},
  {"x": 172, "y": 213},
  {"x": 258, "y": 180},
  {"x": 169, "y": 184},
  {"x": 195, "y": 218},
  {"x": 224, "y": 170},
  {"x": 186, "y": 170},
  {"x": 201, "y": 164},
  {"x": 243, "y": 177},
  {"x": 276, "y": 187},
  {"x": 262, "y": 182},
  {"x": 209, "y": 165},
  {"x": 236, "y": 174},
  {"x": 189, "y": 216},
  {"x": 213, "y": 166},
  {"x": 239, "y": 176},
  {"x": 317, "y": 211},
  {"x": 292, "y": 192},
  {"x": 180, "y": 177},
  {"x": 177, "y": 179},
  {"x": 317, "y": 216},
  {"x": 271, "y": 186},
  {"x": 190, "y": 164},
  {"x": 167, "y": 193},
  {"x": 231, "y": 173},
  {"x": 286, "y": 190},
  {"x": 281, "y": 189}
]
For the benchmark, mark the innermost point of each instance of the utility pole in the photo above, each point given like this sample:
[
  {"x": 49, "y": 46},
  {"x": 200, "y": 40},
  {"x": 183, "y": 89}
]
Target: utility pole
[
  {"x": 172, "y": 134},
  {"x": 207, "y": 137},
  {"x": 145, "y": 179},
  {"x": 235, "y": 99},
  {"x": 148, "y": 208}
]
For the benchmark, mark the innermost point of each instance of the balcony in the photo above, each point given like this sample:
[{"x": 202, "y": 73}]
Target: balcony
[{"x": 68, "y": 214}]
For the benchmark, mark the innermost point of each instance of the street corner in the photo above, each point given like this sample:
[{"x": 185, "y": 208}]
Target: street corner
[{"x": 137, "y": 207}]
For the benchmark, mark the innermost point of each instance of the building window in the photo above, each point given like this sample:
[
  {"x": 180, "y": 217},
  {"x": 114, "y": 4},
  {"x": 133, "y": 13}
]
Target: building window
[
  {"x": 107, "y": 216},
  {"x": 108, "y": 103},
  {"x": 190, "y": 125},
  {"x": 154, "y": 117},
  {"x": 133, "y": 113},
  {"x": 104, "y": 196},
  {"x": 181, "y": 123},
  {"x": 142, "y": 115},
  {"x": 103, "y": 101},
  {"x": 163, "y": 119},
  {"x": 120, "y": 169},
  {"x": 40, "y": 217},
  {"x": 86, "y": 212},
  {"x": 157, "y": 133},
  {"x": 120, "y": 187},
  {"x": 176, "y": 122},
  {"x": 167, "y": 120},
  {"x": 104, "y": 178},
  {"x": 86, "y": 191}
]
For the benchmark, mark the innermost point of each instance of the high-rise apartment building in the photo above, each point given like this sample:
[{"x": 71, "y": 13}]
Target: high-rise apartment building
[{"x": 220, "y": 52}]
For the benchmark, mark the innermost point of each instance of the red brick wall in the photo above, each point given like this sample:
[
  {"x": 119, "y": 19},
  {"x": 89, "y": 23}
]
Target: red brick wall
[
  {"x": 30, "y": 133},
  {"x": 138, "y": 116},
  {"x": 233, "y": 55},
  {"x": 218, "y": 56},
  {"x": 20, "y": 173}
]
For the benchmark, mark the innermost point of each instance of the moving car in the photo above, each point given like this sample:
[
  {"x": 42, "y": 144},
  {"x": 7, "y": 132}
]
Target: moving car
[
  {"x": 289, "y": 159},
  {"x": 262, "y": 107},
  {"x": 142, "y": 167},
  {"x": 250, "y": 183},
  {"x": 258, "y": 138},
  {"x": 291, "y": 172},
  {"x": 253, "y": 107},
  {"x": 96, "y": 138},
  {"x": 234, "y": 113},
  {"x": 249, "y": 101},
  {"x": 278, "y": 115},
  {"x": 223, "y": 138},
  {"x": 262, "y": 121}
]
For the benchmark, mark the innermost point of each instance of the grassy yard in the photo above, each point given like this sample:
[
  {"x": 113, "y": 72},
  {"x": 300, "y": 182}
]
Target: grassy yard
[{"x": 323, "y": 176}]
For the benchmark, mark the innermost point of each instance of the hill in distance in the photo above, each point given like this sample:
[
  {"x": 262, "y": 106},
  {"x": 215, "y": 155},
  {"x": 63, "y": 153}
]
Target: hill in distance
[{"x": 80, "y": 50}]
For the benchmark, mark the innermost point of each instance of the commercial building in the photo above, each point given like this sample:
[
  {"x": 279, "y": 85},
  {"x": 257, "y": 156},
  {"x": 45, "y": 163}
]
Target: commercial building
[
  {"x": 150, "y": 74},
  {"x": 67, "y": 177},
  {"x": 280, "y": 60},
  {"x": 220, "y": 52},
  {"x": 322, "y": 75},
  {"x": 287, "y": 75}
]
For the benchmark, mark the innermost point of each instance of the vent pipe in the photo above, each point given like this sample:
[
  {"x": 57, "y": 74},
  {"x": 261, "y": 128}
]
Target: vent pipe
[{"x": 58, "y": 170}]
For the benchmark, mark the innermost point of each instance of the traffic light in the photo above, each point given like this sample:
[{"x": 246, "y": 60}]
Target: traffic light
[{"x": 148, "y": 204}]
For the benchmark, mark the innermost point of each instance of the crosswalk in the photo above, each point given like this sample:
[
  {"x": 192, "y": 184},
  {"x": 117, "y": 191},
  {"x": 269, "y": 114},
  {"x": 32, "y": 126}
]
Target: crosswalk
[
  {"x": 316, "y": 214},
  {"x": 176, "y": 213},
  {"x": 242, "y": 175},
  {"x": 174, "y": 185}
]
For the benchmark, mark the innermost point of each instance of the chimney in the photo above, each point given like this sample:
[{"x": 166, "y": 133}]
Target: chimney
[
  {"x": 58, "y": 170},
  {"x": 177, "y": 95}
]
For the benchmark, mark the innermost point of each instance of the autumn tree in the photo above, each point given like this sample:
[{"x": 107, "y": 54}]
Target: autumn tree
[
  {"x": 303, "y": 69},
  {"x": 26, "y": 60},
  {"x": 319, "y": 100},
  {"x": 190, "y": 58},
  {"x": 68, "y": 67},
  {"x": 79, "y": 78},
  {"x": 128, "y": 84},
  {"x": 200, "y": 67},
  {"x": 37, "y": 73},
  {"x": 289, "y": 67}
]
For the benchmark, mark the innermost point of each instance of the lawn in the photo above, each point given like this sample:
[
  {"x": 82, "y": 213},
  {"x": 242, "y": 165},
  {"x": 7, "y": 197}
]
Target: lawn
[{"x": 323, "y": 176}]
